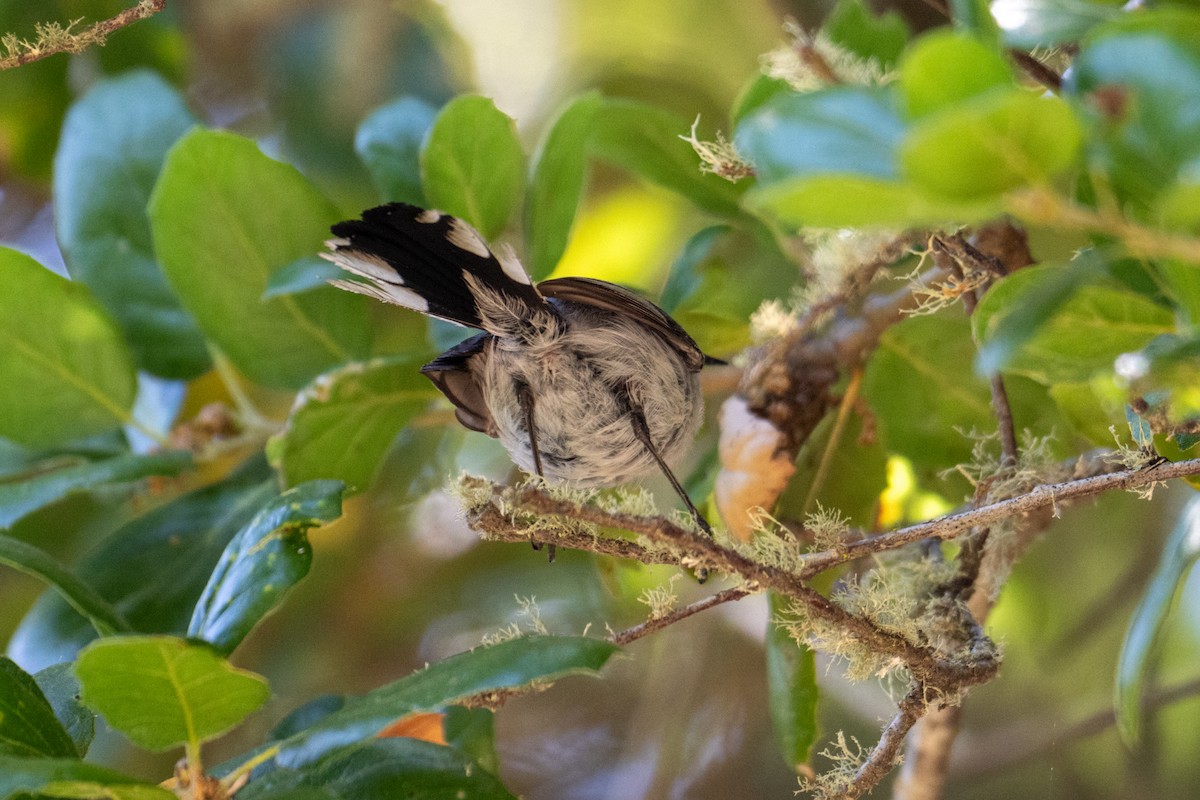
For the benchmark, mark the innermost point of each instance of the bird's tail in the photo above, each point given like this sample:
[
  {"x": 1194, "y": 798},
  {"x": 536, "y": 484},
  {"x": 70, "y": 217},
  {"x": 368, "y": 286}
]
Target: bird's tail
[{"x": 433, "y": 263}]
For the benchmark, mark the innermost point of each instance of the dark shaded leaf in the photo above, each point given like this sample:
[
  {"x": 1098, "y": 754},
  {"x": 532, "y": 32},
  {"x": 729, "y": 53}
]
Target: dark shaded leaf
[
  {"x": 267, "y": 557},
  {"x": 31, "y": 560},
  {"x": 61, "y": 777},
  {"x": 389, "y": 143},
  {"x": 792, "y": 688},
  {"x": 28, "y": 726}
]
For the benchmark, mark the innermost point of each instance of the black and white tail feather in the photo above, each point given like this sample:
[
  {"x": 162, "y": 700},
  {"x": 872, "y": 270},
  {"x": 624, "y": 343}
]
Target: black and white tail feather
[{"x": 582, "y": 381}]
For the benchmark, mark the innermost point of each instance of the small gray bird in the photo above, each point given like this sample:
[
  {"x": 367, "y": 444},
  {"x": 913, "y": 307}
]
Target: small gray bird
[{"x": 582, "y": 381}]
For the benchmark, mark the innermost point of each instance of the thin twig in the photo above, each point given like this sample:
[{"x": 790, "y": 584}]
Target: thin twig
[
  {"x": 658, "y": 623},
  {"x": 63, "y": 41},
  {"x": 886, "y": 753},
  {"x": 954, "y": 525},
  {"x": 1036, "y": 69}
]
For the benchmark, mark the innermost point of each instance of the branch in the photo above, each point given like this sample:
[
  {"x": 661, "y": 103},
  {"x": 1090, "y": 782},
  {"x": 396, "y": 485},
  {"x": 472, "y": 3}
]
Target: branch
[
  {"x": 953, "y": 525},
  {"x": 658, "y": 623},
  {"x": 883, "y": 758},
  {"x": 54, "y": 38}
]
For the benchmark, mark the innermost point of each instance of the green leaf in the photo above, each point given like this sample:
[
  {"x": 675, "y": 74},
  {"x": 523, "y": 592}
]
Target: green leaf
[
  {"x": 1135, "y": 662},
  {"x": 472, "y": 164},
  {"x": 342, "y": 425},
  {"x": 924, "y": 409},
  {"x": 1021, "y": 317},
  {"x": 267, "y": 557},
  {"x": 644, "y": 139},
  {"x": 868, "y": 35},
  {"x": 720, "y": 279},
  {"x": 61, "y": 689},
  {"x": 160, "y": 691},
  {"x": 1152, "y": 133},
  {"x": 843, "y": 130},
  {"x": 113, "y": 144},
  {"x": 975, "y": 16},
  {"x": 389, "y": 143},
  {"x": 557, "y": 183},
  {"x": 71, "y": 778},
  {"x": 1003, "y": 140},
  {"x": 66, "y": 373},
  {"x": 1046, "y": 23},
  {"x": 28, "y": 726},
  {"x": 386, "y": 768},
  {"x": 19, "y": 498},
  {"x": 153, "y": 569},
  {"x": 78, "y": 594},
  {"x": 1081, "y": 338},
  {"x": 758, "y": 92},
  {"x": 792, "y": 690},
  {"x": 854, "y": 201},
  {"x": 514, "y": 663},
  {"x": 302, "y": 275},
  {"x": 225, "y": 219},
  {"x": 472, "y": 731},
  {"x": 945, "y": 68}
]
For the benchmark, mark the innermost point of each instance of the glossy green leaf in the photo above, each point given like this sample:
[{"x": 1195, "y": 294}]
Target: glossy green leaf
[
  {"x": 1003, "y": 140},
  {"x": 761, "y": 90},
  {"x": 843, "y": 201},
  {"x": 1082, "y": 337},
  {"x": 18, "y": 498},
  {"x": 945, "y": 68},
  {"x": 855, "y": 27},
  {"x": 389, "y": 143},
  {"x": 1046, "y": 23},
  {"x": 60, "y": 687},
  {"x": 267, "y": 557},
  {"x": 31, "y": 560},
  {"x": 382, "y": 769},
  {"x": 342, "y": 425},
  {"x": 71, "y": 778},
  {"x": 152, "y": 569},
  {"x": 557, "y": 183},
  {"x": 516, "y": 662},
  {"x": 1136, "y": 660},
  {"x": 1151, "y": 132},
  {"x": 66, "y": 372},
  {"x": 975, "y": 17},
  {"x": 792, "y": 688},
  {"x": 1044, "y": 293},
  {"x": 113, "y": 144},
  {"x": 160, "y": 691},
  {"x": 225, "y": 219},
  {"x": 844, "y": 130},
  {"x": 472, "y": 165},
  {"x": 28, "y": 726},
  {"x": 644, "y": 139}
]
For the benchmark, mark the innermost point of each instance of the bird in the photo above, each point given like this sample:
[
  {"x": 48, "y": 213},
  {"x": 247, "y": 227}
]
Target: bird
[{"x": 582, "y": 381}]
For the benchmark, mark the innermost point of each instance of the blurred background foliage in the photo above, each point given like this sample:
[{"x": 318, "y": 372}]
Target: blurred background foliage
[{"x": 399, "y": 581}]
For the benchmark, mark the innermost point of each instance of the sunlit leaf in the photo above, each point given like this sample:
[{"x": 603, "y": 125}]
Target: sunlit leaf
[
  {"x": 472, "y": 164},
  {"x": 226, "y": 218},
  {"x": 945, "y": 68},
  {"x": 267, "y": 557},
  {"x": 67, "y": 372},
  {"x": 557, "y": 183},
  {"x": 866, "y": 34},
  {"x": 342, "y": 425},
  {"x": 1084, "y": 334},
  {"x": 160, "y": 691}
]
